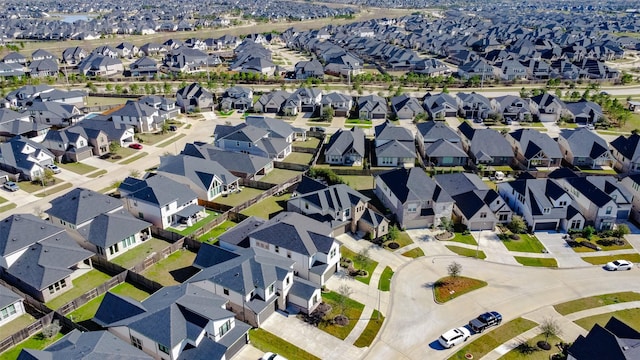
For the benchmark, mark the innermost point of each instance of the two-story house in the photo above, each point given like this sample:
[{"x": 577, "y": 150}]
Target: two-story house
[
  {"x": 626, "y": 151},
  {"x": 271, "y": 102},
  {"x": 341, "y": 103},
  {"x": 548, "y": 108},
  {"x": 372, "y": 107},
  {"x": 598, "y": 208},
  {"x": 485, "y": 146},
  {"x": 306, "y": 100},
  {"x": 439, "y": 106},
  {"x": 473, "y": 106},
  {"x": 584, "y": 148},
  {"x": 194, "y": 97},
  {"x": 142, "y": 117},
  {"x": 70, "y": 144},
  {"x": 511, "y": 107},
  {"x": 237, "y": 98},
  {"x": 632, "y": 184},
  {"x": 24, "y": 157},
  {"x": 534, "y": 148}
]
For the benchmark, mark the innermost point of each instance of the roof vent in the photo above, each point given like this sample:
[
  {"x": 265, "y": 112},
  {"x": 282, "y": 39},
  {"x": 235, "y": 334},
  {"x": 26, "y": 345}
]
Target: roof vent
[
  {"x": 42, "y": 227},
  {"x": 14, "y": 239}
]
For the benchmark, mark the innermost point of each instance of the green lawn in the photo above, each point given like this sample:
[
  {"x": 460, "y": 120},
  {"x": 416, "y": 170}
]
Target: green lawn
[
  {"x": 151, "y": 139},
  {"x": 98, "y": 100},
  {"x": 7, "y": 207},
  {"x": 597, "y": 241},
  {"x": 358, "y": 121},
  {"x": 630, "y": 317},
  {"x": 596, "y": 301},
  {"x": 238, "y": 198},
  {"x": 538, "y": 354},
  {"x": 298, "y": 158},
  {"x": 413, "y": 253},
  {"x": 88, "y": 310},
  {"x": 384, "y": 284},
  {"x": 542, "y": 262},
  {"x": 601, "y": 260},
  {"x": 266, "y": 341},
  {"x": 3, "y": 200},
  {"x": 97, "y": 173},
  {"x": 598, "y": 172},
  {"x": 311, "y": 143},
  {"x": 109, "y": 188},
  {"x": 467, "y": 252},
  {"x": 53, "y": 190},
  {"x": 16, "y": 324},
  {"x": 464, "y": 239},
  {"x": 633, "y": 123},
  {"x": 171, "y": 141},
  {"x": 136, "y": 255},
  {"x": 531, "y": 124},
  {"x": 134, "y": 158},
  {"x": 268, "y": 207},
  {"x": 368, "y": 265},
  {"x": 568, "y": 126},
  {"x": 369, "y": 333},
  {"x": 32, "y": 187},
  {"x": 449, "y": 288},
  {"x": 121, "y": 153},
  {"x": 527, "y": 243},
  {"x": 191, "y": 229},
  {"x": 37, "y": 342},
  {"x": 81, "y": 285},
  {"x": 358, "y": 182},
  {"x": 217, "y": 231},
  {"x": 278, "y": 176},
  {"x": 77, "y": 167},
  {"x": 491, "y": 184},
  {"x": 403, "y": 240},
  {"x": 496, "y": 337},
  {"x": 353, "y": 310},
  {"x": 173, "y": 270}
]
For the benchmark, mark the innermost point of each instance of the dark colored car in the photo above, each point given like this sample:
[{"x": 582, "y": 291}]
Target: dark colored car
[
  {"x": 484, "y": 321},
  {"x": 173, "y": 128}
]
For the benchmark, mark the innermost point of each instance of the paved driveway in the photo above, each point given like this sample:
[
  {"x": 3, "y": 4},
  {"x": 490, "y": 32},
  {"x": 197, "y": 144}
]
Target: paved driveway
[{"x": 556, "y": 246}]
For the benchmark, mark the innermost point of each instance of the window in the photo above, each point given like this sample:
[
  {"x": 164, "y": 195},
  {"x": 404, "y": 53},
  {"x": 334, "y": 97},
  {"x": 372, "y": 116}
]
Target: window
[
  {"x": 271, "y": 289},
  {"x": 163, "y": 348},
  {"x": 483, "y": 215},
  {"x": 575, "y": 224},
  {"x": 166, "y": 208},
  {"x": 57, "y": 286},
  {"x": 609, "y": 209},
  {"x": 225, "y": 291},
  {"x": 8, "y": 311},
  {"x": 504, "y": 217},
  {"x": 289, "y": 254},
  {"x": 412, "y": 208},
  {"x": 141, "y": 215},
  {"x": 136, "y": 342},
  {"x": 224, "y": 328},
  {"x": 277, "y": 248},
  {"x": 563, "y": 203}
]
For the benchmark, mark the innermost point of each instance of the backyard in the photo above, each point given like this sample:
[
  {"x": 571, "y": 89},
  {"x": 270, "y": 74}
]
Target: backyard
[
  {"x": 213, "y": 234},
  {"x": 88, "y": 310},
  {"x": 37, "y": 341},
  {"x": 16, "y": 324},
  {"x": 268, "y": 207},
  {"x": 299, "y": 158},
  {"x": 81, "y": 285},
  {"x": 310, "y": 143},
  {"x": 359, "y": 182},
  {"x": 136, "y": 255},
  {"x": 173, "y": 270},
  {"x": 200, "y": 223},
  {"x": 278, "y": 176},
  {"x": 238, "y": 198}
]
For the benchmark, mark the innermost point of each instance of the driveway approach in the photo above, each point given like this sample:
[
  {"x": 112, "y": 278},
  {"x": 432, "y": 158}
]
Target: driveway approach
[{"x": 415, "y": 321}]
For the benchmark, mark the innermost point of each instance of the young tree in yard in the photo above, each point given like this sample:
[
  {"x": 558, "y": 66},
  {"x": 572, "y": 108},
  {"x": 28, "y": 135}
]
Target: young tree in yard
[
  {"x": 363, "y": 257},
  {"x": 454, "y": 269},
  {"x": 48, "y": 176},
  {"x": 344, "y": 291},
  {"x": 588, "y": 232},
  {"x": 393, "y": 233},
  {"x": 327, "y": 114},
  {"x": 549, "y": 327},
  {"x": 622, "y": 230},
  {"x": 135, "y": 88},
  {"x": 114, "y": 147},
  {"x": 446, "y": 224},
  {"x": 517, "y": 225},
  {"x": 135, "y": 173}
]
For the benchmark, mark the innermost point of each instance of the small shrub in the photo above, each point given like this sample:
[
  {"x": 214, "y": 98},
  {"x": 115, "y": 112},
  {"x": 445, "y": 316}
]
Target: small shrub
[
  {"x": 52, "y": 329},
  {"x": 525, "y": 348},
  {"x": 514, "y": 237}
]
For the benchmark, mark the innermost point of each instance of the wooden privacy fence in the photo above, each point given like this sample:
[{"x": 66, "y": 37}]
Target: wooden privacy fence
[{"x": 91, "y": 294}]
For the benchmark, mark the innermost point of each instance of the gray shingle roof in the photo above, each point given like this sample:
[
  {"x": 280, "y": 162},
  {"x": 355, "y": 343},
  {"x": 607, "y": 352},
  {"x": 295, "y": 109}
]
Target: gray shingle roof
[
  {"x": 108, "y": 229},
  {"x": 157, "y": 189},
  {"x": 7, "y": 297},
  {"x": 200, "y": 171},
  {"x": 585, "y": 143},
  {"x": 295, "y": 232},
  {"x": 232, "y": 161},
  {"x": 345, "y": 140},
  {"x": 414, "y": 184},
  {"x": 80, "y": 205}
]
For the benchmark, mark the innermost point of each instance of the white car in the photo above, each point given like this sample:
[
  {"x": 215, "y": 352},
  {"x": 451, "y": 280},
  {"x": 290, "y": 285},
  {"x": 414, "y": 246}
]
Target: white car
[
  {"x": 454, "y": 337},
  {"x": 619, "y": 265},
  {"x": 272, "y": 356},
  {"x": 54, "y": 168}
]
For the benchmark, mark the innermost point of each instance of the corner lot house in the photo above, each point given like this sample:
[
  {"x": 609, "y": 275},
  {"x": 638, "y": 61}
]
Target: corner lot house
[
  {"x": 24, "y": 157},
  {"x": 416, "y": 200},
  {"x": 610, "y": 341}
]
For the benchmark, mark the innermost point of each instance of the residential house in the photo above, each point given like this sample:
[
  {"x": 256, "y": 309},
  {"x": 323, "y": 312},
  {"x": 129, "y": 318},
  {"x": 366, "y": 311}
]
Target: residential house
[
  {"x": 440, "y": 106},
  {"x": 86, "y": 346},
  {"x": 616, "y": 340},
  {"x": 585, "y": 111},
  {"x": 11, "y": 305},
  {"x": 205, "y": 177},
  {"x": 193, "y": 320},
  {"x": 511, "y": 107},
  {"x": 598, "y": 208},
  {"x": 622, "y": 197},
  {"x": 548, "y": 108},
  {"x": 413, "y": 197},
  {"x": 237, "y": 98},
  {"x": 42, "y": 55},
  {"x": 346, "y": 147},
  {"x": 40, "y": 258},
  {"x": 477, "y": 206},
  {"x": 511, "y": 70},
  {"x": 394, "y": 146},
  {"x": 584, "y": 148},
  {"x": 24, "y": 157},
  {"x": 254, "y": 281},
  {"x": 142, "y": 117},
  {"x": 372, "y": 107},
  {"x": 242, "y": 165},
  {"x": 432, "y": 67},
  {"x": 306, "y": 100},
  {"x": 73, "y": 55},
  {"x": 145, "y": 66},
  {"x": 43, "y": 68},
  {"x": 160, "y": 200},
  {"x": 340, "y": 103},
  {"x": 406, "y": 107},
  {"x": 308, "y": 69},
  {"x": 439, "y": 145},
  {"x": 478, "y": 68},
  {"x": 626, "y": 152},
  {"x": 70, "y": 144},
  {"x": 99, "y": 126},
  {"x": 485, "y": 146},
  {"x": 101, "y": 221},
  {"x": 166, "y": 107},
  {"x": 632, "y": 184},
  {"x": 345, "y": 64},
  {"x": 100, "y": 65},
  {"x": 14, "y": 124},
  {"x": 338, "y": 205},
  {"x": 194, "y": 96},
  {"x": 53, "y": 113},
  {"x": 15, "y": 58},
  {"x": 542, "y": 203},
  {"x": 473, "y": 106},
  {"x": 534, "y": 148},
  {"x": 271, "y": 102},
  {"x": 127, "y": 50}
]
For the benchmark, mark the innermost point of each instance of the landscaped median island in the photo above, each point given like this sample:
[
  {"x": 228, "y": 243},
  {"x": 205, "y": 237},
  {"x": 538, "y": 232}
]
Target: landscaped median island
[
  {"x": 596, "y": 301},
  {"x": 384, "y": 284},
  {"x": 484, "y": 344},
  {"x": 450, "y": 287},
  {"x": 413, "y": 253}
]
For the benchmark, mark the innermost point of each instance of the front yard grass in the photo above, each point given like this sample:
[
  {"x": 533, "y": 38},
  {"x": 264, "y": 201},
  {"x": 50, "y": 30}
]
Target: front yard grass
[
  {"x": 171, "y": 141},
  {"x": 353, "y": 310},
  {"x": 200, "y": 223},
  {"x": 360, "y": 262},
  {"x": 136, "y": 255},
  {"x": 16, "y": 324},
  {"x": 384, "y": 284},
  {"x": 266, "y": 341},
  {"x": 238, "y": 198},
  {"x": 601, "y": 260},
  {"x": 134, "y": 158},
  {"x": 630, "y": 317},
  {"x": 213, "y": 234},
  {"x": 413, "y": 253},
  {"x": 37, "y": 342},
  {"x": 153, "y": 138},
  {"x": 268, "y": 207},
  {"x": 464, "y": 239},
  {"x": 88, "y": 310},
  {"x": 538, "y": 354},
  {"x": 449, "y": 288},
  {"x": 298, "y": 158},
  {"x": 121, "y": 153},
  {"x": 402, "y": 240},
  {"x": 278, "y": 176},
  {"x": 97, "y": 173},
  {"x": 81, "y": 285},
  {"x": 173, "y": 270},
  {"x": 8, "y": 207},
  {"x": 369, "y": 333},
  {"x": 599, "y": 242},
  {"x": 496, "y": 337},
  {"x": 527, "y": 243},
  {"x": 310, "y": 143},
  {"x": 77, "y": 167},
  {"x": 53, "y": 190},
  {"x": 467, "y": 252},
  {"x": 32, "y": 187},
  {"x": 358, "y": 182},
  {"x": 541, "y": 262},
  {"x": 596, "y": 301},
  {"x": 598, "y": 171}
]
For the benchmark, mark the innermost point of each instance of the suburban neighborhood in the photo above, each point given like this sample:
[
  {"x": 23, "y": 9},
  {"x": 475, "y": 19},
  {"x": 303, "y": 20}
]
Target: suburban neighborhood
[{"x": 282, "y": 180}]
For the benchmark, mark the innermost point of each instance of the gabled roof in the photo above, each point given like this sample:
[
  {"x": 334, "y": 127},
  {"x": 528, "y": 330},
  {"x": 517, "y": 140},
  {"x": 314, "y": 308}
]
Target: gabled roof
[
  {"x": 533, "y": 141},
  {"x": 232, "y": 161},
  {"x": 275, "y": 127},
  {"x": 333, "y": 198},
  {"x": 627, "y": 146},
  {"x": 486, "y": 142},
  {"x": 387, "y": 131},
  {"x": 111, "y": 228},
  {"x": 431, "y": 131},
  {"x": 444, "y": 148},
  {"x": 200, "y": 171},
  {"x": 80, "y": 205},
  {"x": 615, "y": 341},
  {"x": 158, "y": 190},
  {"x": 413, "y": 184},
  {"x": 344, "y": 141},
  {"x": 589, "y": 190},
  {"x": 585, "y": 143},
  {"x": 8, "y": 297},
  {"x": 396, "y": 149}
]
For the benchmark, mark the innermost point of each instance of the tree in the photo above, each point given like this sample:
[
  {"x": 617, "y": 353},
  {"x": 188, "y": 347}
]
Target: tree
[
  {"x": 135, "y": 88},
  {"x": 363, "y": 257},
  {"x": 344, "y": 291},
  {"x": 167, "y": 88},
  {"x": 52, "y": 329},
  {"x": 327, "y": 114},
  {"x": 134, "y": 173},
  {"x": 109, "y": 88},
  {"x": 454, "y": 269},
  {"x": 622, "y": 230},
  {"x": 47, "y": 176},
  {"x": 588, "y": 232},
  {"x": 446, "y": 224},
  {"x": 549, "y": 327},
  {"x": 393, "y": 233},
  {"x": 517, "y": 225},
  {"x": 114, "y": 147}
]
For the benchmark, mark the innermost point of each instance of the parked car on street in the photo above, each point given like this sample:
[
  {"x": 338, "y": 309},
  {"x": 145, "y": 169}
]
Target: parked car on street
[
  {"x": 11, "y": 186},
  {"x": 454, "y": 337},
  {"x": 135, "y": 146},
  {"x": 272, "y": 356},
  {"x": 619, "y": 265},
  {"x": 484, "y": 321},
  {"x": 54, "y": 168}
]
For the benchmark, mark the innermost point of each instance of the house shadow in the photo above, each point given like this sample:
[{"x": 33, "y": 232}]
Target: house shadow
[
  {"x": 182, "y": 274},
  {"x": 90, "y": 325}
]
